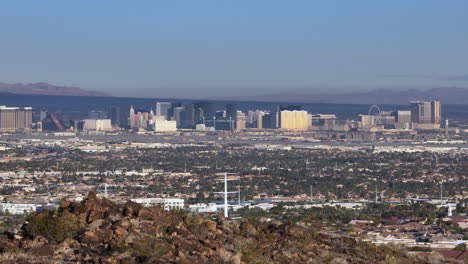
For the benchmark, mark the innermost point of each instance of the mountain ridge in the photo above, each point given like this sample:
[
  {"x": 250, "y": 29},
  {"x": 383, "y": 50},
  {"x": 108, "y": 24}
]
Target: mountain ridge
[
  {"x": 448, "y": 95},
  {"x": 43, "y": 88}
]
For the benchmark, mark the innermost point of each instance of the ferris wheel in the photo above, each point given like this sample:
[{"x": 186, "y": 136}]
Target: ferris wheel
[{"x": 374, "y": 107}]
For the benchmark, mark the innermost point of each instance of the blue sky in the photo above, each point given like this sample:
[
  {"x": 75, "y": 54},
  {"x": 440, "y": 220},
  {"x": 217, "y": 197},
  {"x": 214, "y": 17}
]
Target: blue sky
[{"x": 234, "y": 48}]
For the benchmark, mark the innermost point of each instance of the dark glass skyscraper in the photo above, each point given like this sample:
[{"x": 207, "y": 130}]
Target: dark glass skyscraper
[
  {"x": 115, "y": 115},
  {"x": 231, "y": 111},
  {"x": 208, "y": 109}
]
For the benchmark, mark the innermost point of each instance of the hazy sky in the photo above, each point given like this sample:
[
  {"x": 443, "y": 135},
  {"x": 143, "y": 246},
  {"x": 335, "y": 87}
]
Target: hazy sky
[{"x": 225, "y": 48}]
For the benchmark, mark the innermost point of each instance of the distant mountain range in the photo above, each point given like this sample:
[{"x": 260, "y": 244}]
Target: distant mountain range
[
  {"x": 42, "y": 88},
  {"x": 447, "y": 95}
]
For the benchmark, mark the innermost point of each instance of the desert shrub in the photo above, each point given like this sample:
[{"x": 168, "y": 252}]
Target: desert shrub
[
  {"x": 53, "y": 227},
  {"x": 151, "y": 246},
  {"x": 420, "y": 249},
  {"x": 460, "y": 247}
]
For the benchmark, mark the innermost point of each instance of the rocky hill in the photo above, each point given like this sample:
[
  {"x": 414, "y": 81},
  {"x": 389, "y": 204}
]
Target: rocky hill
[
  {"x": 42, "y": 88},
  {"x": 100, "y": 231}
]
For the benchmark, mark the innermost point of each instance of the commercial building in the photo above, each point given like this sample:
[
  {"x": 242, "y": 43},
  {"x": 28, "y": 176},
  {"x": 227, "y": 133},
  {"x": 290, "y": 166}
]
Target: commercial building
[
  {"x": 241, "y": 120},
  {"x": 25, "y": 208},
  {"x": 166, "y": 203},
  {"x": 163, "y": 109},
  {"x": 402, "y": 119},
  {"x": 294, "y": 120},
  {"x": 15, "y": 119},
  {"x": 165, "y": 125},
  {"x": 97, "y": 125},
  {"x": 270, "y": 120},
  {"x": 178, "y": 115},
  {"x": 426, "y": 114},
  {"x": 231, "y": 111},
  {"x": 206, "y": 110},
  {"x": 258, "y": 119},
  {"x": 115, "y": 115},
  {"x": 367, "y": 121},
  {"x": 188, "y": 117},
  {"x": 139, "y": 118},
  {"x": 385, "y": 119}
]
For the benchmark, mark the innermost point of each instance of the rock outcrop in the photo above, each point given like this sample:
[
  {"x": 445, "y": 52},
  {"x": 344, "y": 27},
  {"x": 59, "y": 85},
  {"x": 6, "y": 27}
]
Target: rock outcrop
[{"x": 100, "y": 231}]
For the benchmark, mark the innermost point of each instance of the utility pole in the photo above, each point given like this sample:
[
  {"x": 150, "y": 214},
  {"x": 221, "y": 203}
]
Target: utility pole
[
  {"x": 105, "y": 190},
  {"x": 441, "y": 196},
  {"x": 238, "y": 191},
  {"x": 311, "y": 193},
  {"x": 225, "y": 179},
  {"x": 376, "y": 193}
]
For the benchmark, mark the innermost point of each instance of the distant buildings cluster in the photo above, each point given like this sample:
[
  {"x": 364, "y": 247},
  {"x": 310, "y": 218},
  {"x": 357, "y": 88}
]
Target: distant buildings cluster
[
  {"x": 204, "y": 116},
  {"x": 423, "y": 115}
]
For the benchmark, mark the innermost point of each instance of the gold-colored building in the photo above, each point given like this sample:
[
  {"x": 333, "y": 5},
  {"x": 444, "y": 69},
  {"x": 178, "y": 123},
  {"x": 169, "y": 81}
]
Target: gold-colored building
[
  {"x": 15, "y": 119},
  {"x": 294, "y": 120}
]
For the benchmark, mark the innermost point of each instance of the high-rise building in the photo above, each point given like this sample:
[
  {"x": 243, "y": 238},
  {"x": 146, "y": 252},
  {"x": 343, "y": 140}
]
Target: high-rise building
[
  {"x": 170, "y": 113},
  {"x": 270, "y": 120},
  {"x": 188, "y": 117},
  {"x": 257, "y": 121},
  {"x": 241, "y": 120},
  {"x": 231, "y": 111},
  {"x": 285, "y": 108},
  {"x": 367, "y": 120},
  {"x": 402, "y": 119},
  {"x": 178, "y": 115},
  {"x": 162, "y": 109},
  {"x": 295, "y": 120},
  {"x": 115, "y": 115},
  {"x": 97, "y": 125},
  {"x": 165, "y": 126},
  {"x": 139, "y": 119},
  {"x": 436, "y": 115},
  {"x": 426, "y": 114},
  {"x": 208, "y": 109},
  {"x": 15, "y": 119}
]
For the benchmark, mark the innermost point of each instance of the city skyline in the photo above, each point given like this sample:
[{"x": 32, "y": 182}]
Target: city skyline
[
  {"x": 342, "y": 124},
  {"x": 219, "y": 50}
]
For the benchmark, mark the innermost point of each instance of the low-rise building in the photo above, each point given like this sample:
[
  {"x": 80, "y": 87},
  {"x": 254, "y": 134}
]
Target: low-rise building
[{"x": 166, "y": 203}]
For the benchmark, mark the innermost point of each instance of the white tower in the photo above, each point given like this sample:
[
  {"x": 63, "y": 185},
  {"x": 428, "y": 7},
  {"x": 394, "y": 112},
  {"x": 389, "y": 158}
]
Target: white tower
[
  {"x": 225, "y": 179},
  {"x": 105, "y": 190}
]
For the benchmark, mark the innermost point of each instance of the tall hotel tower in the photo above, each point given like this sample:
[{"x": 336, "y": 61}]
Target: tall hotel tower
[{"x": 15, "y": 119}]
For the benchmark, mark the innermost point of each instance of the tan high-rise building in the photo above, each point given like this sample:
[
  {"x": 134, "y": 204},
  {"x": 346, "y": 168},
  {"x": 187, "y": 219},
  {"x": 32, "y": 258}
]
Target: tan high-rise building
[
  {"x": 241, "y": 120},
  {"x": 426, "y": 114},
  {"x": 15, "y": 119},
  {"x": 436, "y": 112},
  {"x": 294, "y": 120}
]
